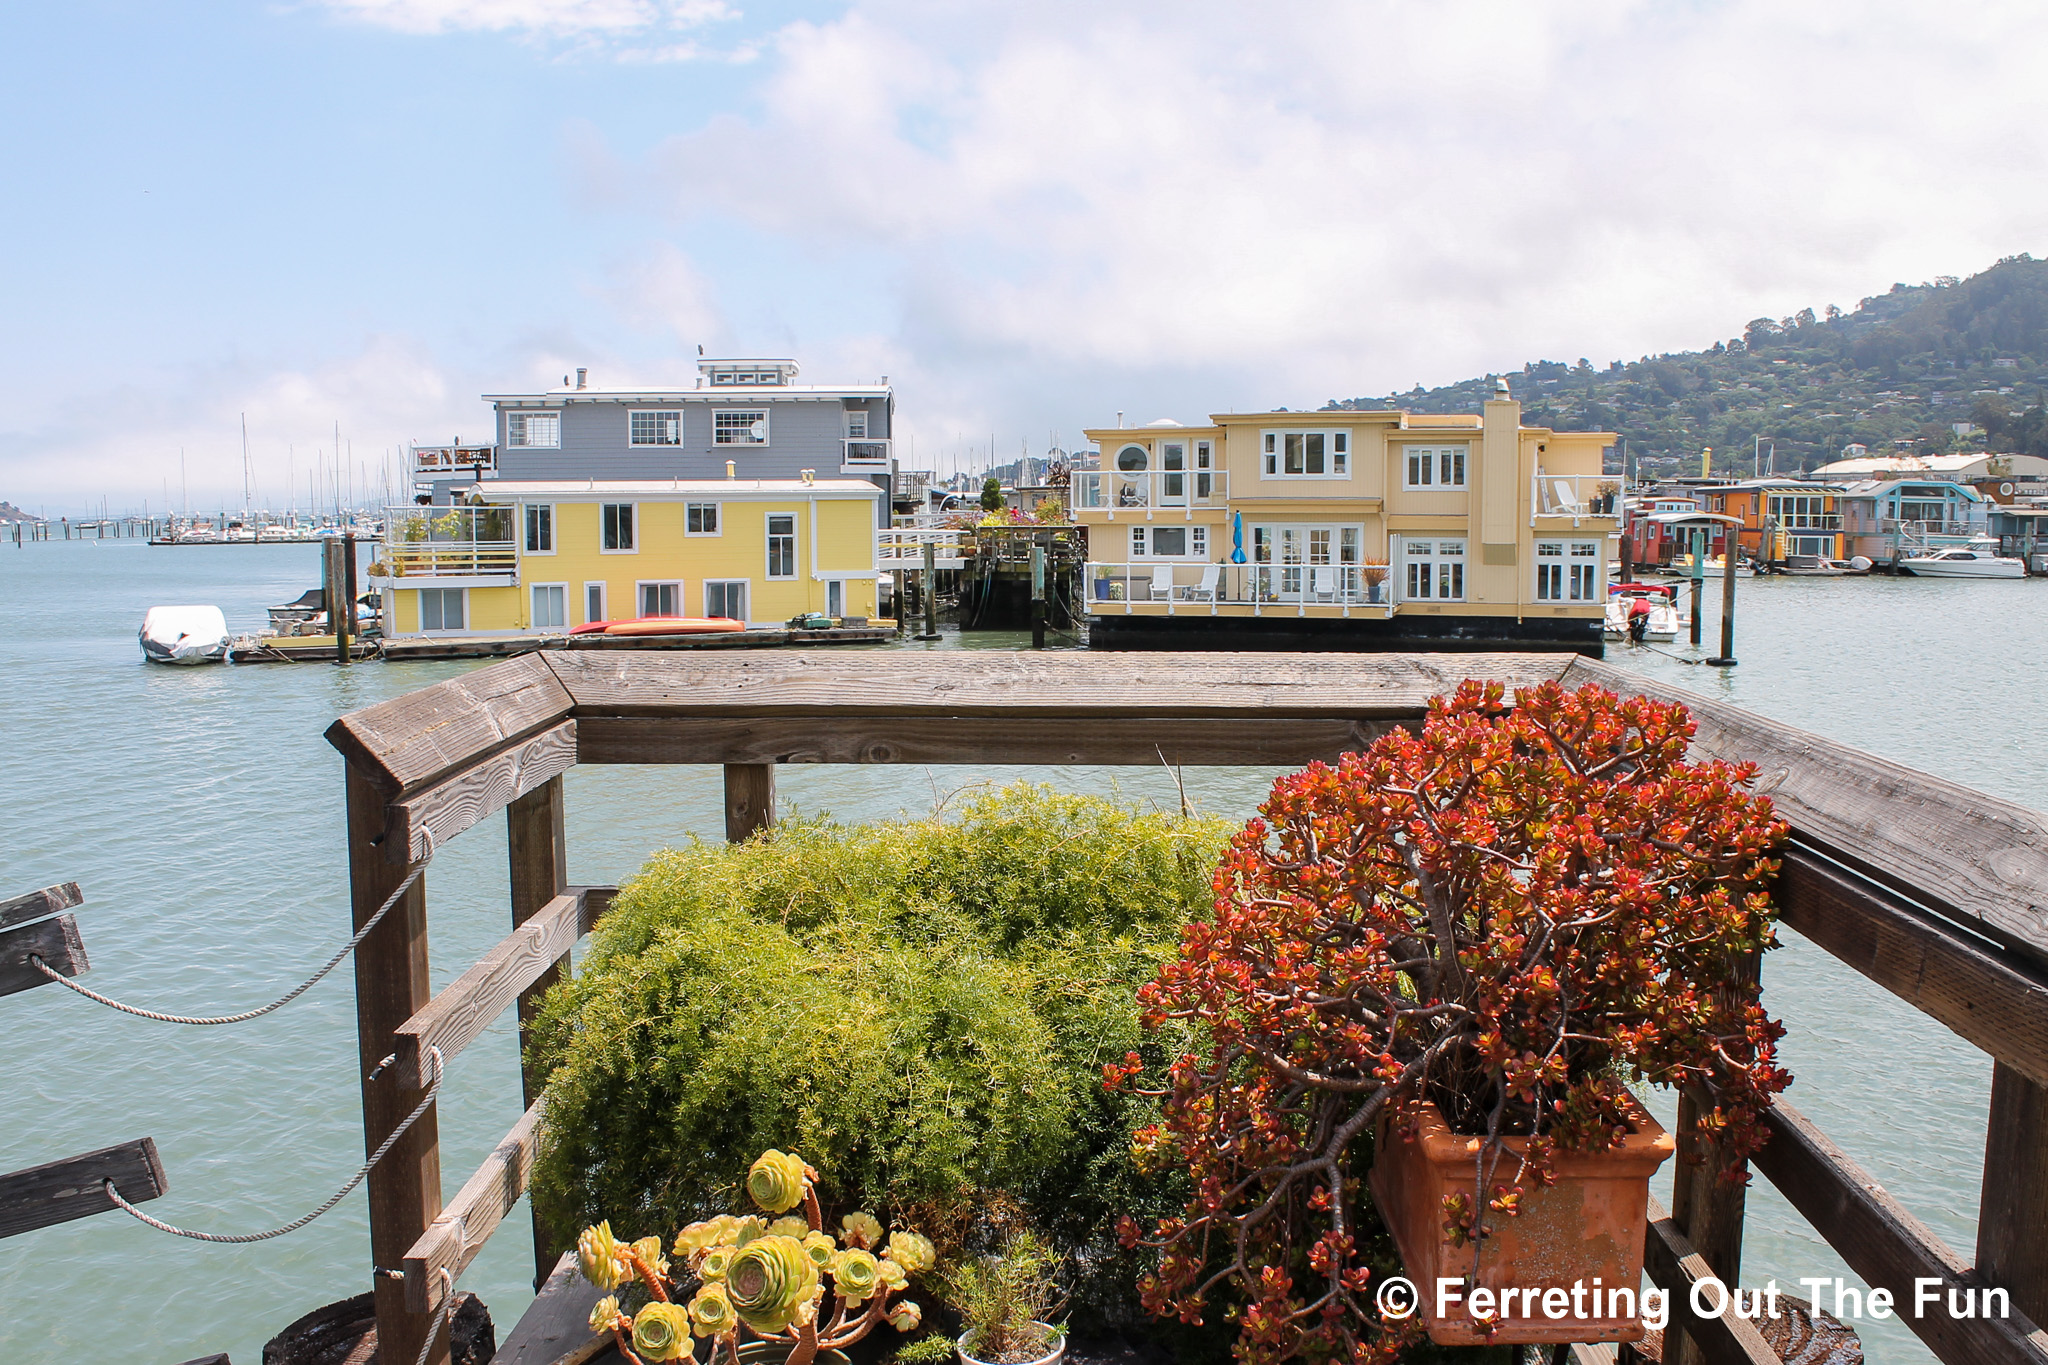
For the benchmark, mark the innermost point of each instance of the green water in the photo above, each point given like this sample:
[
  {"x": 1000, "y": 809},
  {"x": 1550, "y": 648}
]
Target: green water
[{"x": 200, "y": 810}]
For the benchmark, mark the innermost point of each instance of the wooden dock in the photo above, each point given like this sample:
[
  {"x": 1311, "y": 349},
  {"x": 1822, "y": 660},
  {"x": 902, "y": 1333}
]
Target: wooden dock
[
  {"x": 320, "y": 648},
  {"x": 1936, "y": 892}
]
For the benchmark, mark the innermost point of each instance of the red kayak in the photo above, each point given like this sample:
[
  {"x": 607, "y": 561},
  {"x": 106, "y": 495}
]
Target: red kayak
[
  {"x": 593, "y": 628},
  {"x": 675, "y": 625}
]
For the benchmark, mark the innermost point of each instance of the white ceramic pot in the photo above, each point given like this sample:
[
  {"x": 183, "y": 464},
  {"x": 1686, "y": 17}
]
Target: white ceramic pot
[{"x": 967, "y": 1357}]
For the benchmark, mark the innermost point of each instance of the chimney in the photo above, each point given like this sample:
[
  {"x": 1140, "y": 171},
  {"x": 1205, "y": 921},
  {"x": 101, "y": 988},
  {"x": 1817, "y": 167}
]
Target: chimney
[
  {"x": 582, "y": 377},
  {"x": 732, "y": 469},
  {"x": 809, "y": 476}
]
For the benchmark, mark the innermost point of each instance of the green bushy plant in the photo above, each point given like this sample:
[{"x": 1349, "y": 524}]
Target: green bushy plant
[{"x": 922, "y": 1008}]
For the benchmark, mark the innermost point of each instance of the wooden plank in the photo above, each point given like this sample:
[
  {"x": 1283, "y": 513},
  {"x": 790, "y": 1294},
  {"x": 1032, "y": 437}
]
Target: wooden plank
[
  {"x": 460, "y": 1230},
  {"x": 1141, "y": 741},
  {"x": 475, "y": 793},
  {"x": 537, "y": 848},
  {"x": 2012, "y": 1220},
  {"x": 55, "y": 941},
  {"x": 1970, "y": 856},
  {"x": 749, "y": 800},
  {"x": 1995, "y": 998},
  {"x": 1670, "y": 1261},
  {"x": 1054, "y": 685},
  {"x": 1888, "y": 1246},
  {"x": 555, "y": 1328},
  {"x": 36, "y": 904},
  {"x": 392, "y": 985},
  {"x": 411, "y": 741},
  {"x": 60, "y": 1191},
  {"x": 1708, "y": 1211},
  {"x": 465, "y": 1007}
]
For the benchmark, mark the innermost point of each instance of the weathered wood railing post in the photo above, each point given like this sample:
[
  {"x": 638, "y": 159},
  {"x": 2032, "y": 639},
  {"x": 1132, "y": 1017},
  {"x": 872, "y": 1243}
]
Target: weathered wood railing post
[
  {"x": 749, "y": 799},
  {"x": 2012, "y": 1220},
  {"x": 392, "y": 984},
  {"x": 537, "y": 841}
]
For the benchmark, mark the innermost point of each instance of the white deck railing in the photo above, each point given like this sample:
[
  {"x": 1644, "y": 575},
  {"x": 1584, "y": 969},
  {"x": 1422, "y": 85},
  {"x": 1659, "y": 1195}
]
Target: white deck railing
[
  {"x": 449, "y": 542},
  {"x": 1111, "y": 490},
  {"x": 1181, "y": 585},
  {"x": 1578, "y": 496}
]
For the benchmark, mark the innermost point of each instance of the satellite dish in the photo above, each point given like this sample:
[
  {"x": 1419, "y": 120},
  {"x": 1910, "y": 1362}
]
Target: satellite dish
[{"x": 759, "y": 430}]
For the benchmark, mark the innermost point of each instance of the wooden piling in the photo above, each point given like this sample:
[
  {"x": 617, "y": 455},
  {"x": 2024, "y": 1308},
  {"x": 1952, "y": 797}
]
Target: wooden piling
[
  {"x": 2012, "y": 1246},
  {"x": 538, "y": 845},
  {"x": 1038, "y": 591},
  {"x": 1726, "y": 658},
  {"x": 749, "y": 799},
  {"x": 930, "y": 592}
]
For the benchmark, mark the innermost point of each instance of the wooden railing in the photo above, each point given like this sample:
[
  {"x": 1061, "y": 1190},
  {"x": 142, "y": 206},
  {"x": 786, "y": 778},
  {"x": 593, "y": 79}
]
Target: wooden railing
[{"x": 1934, "y": 891}]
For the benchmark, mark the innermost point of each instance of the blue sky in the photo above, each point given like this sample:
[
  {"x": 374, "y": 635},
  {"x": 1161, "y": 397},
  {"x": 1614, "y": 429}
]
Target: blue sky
[{"x": 367, "y": 212}]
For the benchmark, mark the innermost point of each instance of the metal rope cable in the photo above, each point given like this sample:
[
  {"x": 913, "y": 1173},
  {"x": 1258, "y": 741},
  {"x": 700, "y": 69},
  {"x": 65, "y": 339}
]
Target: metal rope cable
[
  {"x": 433, "y": 1089},
  {"x": 412, "y": 875}
]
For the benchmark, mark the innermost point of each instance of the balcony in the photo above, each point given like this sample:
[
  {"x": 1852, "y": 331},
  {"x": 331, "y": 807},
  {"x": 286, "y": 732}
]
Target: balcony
[
  {"x": 903, "y": 547},
  {"x": 446, "y": 547},
  {"x": 1808, "y": 521},
  {"x": 453, "y": 462},
  {"x": 1114, "y": 490},
  {"x": 1581, "y": 497},
  {"x": 1176, "y": 586},
  {"x": 864, "y": 456}
]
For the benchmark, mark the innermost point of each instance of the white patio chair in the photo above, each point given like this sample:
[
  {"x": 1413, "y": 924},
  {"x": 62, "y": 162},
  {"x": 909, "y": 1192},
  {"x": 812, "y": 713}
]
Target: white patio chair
[
  {"x": 1162, "y": 582},
  {"x": 1204, "y": 591},
  {"x": 1323, "y": 584},
  {"x": 1567, "y": 499}
]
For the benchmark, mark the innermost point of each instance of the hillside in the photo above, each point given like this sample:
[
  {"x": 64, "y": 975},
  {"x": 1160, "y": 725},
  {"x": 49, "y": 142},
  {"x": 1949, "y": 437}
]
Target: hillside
[{"x": 1900, "y": 371}]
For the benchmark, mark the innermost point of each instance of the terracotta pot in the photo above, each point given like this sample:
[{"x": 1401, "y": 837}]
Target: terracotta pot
[{"x": 1588, "y": 1226}]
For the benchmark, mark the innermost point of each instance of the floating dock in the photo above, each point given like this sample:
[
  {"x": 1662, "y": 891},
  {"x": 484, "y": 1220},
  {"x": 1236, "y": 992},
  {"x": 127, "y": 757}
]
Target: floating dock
[{"x": 320, "y": 648}]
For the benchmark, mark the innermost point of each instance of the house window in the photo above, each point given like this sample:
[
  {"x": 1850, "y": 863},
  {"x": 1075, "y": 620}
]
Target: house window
[
  {"x": 1434, "y": 467},
  {"x": 727, "y": 598},
  {"x": 443, "y": 608},
  {"x": 1169, "y": 542},
  {"x": 534, "y": 430},
  {"x": 661, "y": 599},
  {"x": 835, "y": 597},
  {"x": 550, "y": 606},
  {"x": 1205, "y": 466},
  {"x": 593, "y": 602},
  {"x": 1435, "y": 570},
  {"x": 781, "y": 546},
  {"x": 1306, "y": 454},
  {"x": 737, "y": 427},
  {"x": 617, "y": 522},
  {"x": 856, "y": 426},
  {"x": 1568, "y": 571},
  {"x": 657, "y": 429},
  {"x": 540, "y": 530},
  {"x": 700, "y": 519}
]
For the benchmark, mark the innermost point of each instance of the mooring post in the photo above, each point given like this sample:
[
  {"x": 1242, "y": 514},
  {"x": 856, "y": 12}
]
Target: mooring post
[
  {"x": 749, "y": 799},
  {"x": 931, "y": 592},
  {"x": 392, "y": 985},
  {"x": 1037, "y": 592},
  {"x": 1699, "y": 578},
  {"x": 1726, "y": 658},
  {"x": 536, "y": 837}
]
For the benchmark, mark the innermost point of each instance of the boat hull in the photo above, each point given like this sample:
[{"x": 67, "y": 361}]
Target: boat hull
[
  {"x": 1964, "y": 568},
  {"x": 184, "y": 635}
]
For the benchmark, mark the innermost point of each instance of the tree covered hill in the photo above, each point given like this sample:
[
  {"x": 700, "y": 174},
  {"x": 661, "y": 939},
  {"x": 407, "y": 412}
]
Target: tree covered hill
[{"x": 1901, "y": 371}]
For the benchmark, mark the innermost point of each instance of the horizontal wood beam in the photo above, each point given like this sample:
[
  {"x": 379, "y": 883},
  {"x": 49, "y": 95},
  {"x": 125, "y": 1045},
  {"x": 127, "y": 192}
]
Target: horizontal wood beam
[
  {"x": 1993, "y": 997},
  {"x": 829, "y": 737},
  {"x": 460, "y": 1012},
  {"x": 1886, "y": 1245},
  {"x": 55, "y": 941},
  {"x": 555, "y": 1328},
  {"x": 478, "y": 792},
  {"x": 1671, "y": 1262},
  {"x": 60, "y": 1191},
  {"x": 414, "y": 740},
  {"x": 467, "y": 1221},
  {"x": 37, "y": 904}
]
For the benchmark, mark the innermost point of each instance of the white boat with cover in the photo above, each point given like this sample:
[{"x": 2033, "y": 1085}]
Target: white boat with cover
[
  {"x": 1965, "y": 562},
  {"x": 184, "y": 635}
]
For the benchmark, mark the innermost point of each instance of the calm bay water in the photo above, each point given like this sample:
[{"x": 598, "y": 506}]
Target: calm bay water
[{"x": 200, "y": 810}]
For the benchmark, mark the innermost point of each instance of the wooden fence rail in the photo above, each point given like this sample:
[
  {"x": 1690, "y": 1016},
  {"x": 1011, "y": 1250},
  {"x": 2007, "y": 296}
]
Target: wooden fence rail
[{"x": 1934, "y": 891}]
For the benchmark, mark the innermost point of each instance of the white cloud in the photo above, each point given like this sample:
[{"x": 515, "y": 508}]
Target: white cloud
[{"x": 549, "y": 18}]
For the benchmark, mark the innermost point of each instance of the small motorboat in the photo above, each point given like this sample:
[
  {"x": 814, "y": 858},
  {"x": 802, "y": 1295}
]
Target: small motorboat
[
  {"x": 1621, "y": 600},
  {"x": 1964, "y": 563},
  {"x": 184, "y": 635}
]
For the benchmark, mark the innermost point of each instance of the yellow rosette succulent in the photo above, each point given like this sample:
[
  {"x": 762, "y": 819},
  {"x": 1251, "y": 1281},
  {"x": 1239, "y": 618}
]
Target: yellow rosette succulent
[
  {"x": 649, "y": 1249},
  {"x": 605, "y": 1315},
  {"x": 893, "y": 1275},
  {"x": 714, "y": 1264},
  {"x": 861, "y": 1230},
  {"x": 661, "y": 1331},
  {"x": 701, "y": 1236},
  {"x": 776, "y": 1181},
  {"x": 597, "y": 1256},
  {"x": 912, "y": 1252},
  {"x": 820, "y": 1247},
  {"x": 856, "y": 1275},
  {"x": 711, "y": 1312},
  {"x": 789, "y": 1225},
  {"x": 769, "y": 1282},
  {"x": 745, "y": 1230},
  {"x": 905, "y": 1316}
]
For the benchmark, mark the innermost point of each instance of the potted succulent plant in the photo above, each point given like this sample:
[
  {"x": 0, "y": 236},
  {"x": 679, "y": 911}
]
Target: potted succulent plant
[
  {"x": 1004, "y": 1300},
  {"x": 798, "y": 1291},
  {"x": 1443, "y": 959}
]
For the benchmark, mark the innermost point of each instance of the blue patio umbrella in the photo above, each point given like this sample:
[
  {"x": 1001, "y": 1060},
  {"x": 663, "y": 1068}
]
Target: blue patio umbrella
[{"x": 1237, "y": 538}]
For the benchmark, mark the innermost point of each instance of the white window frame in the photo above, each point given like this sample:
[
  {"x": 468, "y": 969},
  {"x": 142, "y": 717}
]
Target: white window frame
[
  {"x": 590, "y": 586},
  {"x": 526, "y": 527},
  {"x": 1336, "y": 452},
  {"x": 746, "y": 587},
  {"x": 768, "y": 548},
  {"x": 659, "y": 414},
  {"x": 1443, "y": 561},
  {"x": 518, "y": 435},
  {"x": 717, "y": 518},
  {"x": 533, "y": 617},
  {"x": 640, "y": 587},
  {"x": 835, "y": 597},
  {"x": 1439, "y": 467},
  {"x": 857, "y": 424},
  {"x": 724, "y": 432},
  {"x": 632, "y": 549},
  {"x": 462, "y": 595},
  {"x": 1197, "y": 543}
]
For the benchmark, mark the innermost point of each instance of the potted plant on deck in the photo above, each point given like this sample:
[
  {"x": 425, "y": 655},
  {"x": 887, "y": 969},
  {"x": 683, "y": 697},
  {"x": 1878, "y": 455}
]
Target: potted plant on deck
[
  {"x": 1004, "y": 1300},
  {"x": 1443, "y": 959}
]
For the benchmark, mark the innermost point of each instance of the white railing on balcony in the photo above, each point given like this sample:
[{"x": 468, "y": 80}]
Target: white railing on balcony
[
  {"x": 1183, "y": 585},
  {"x": 902, "y": 547},
  {"x": 453, "y": 462},
  {"x": 448, "y": 542},
  {"x": 1113, "y": 490},
  {"x": 864, "y": 456},
  {"x": 1578, "y": 496}
]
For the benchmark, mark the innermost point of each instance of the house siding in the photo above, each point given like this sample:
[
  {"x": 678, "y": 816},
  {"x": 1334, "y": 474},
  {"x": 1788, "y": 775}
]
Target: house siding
[{"x": 803, "y": 433}]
